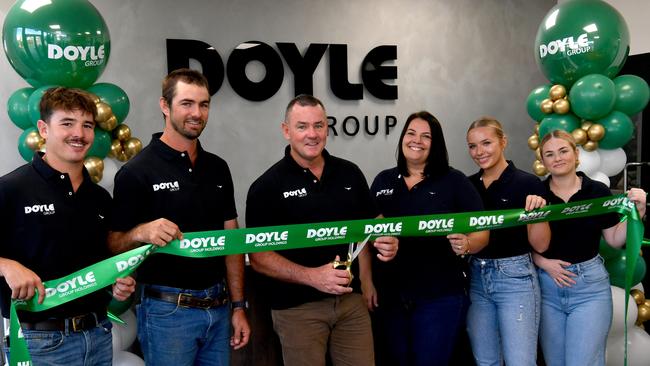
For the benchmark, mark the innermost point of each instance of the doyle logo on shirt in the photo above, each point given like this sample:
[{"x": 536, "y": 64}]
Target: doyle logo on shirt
[
  {"x": 436, "y": 225},
  {"x": 392, "y": 228},
  {"x": 77, "y": 283},
  {"x": 384, "y": 192},
  {"x": 529, "y": 216},
  {"x": 301, "y": 192},
  {"x": 170, "y": 186},
  {"x": 327, "y": 233},
  {"x": 576, "y": 209},
  {"x": 268, "y": 238},
  {"x": 46, "y": 209},
  {"x": 205, "y": 244},
  {"x": 480, "y": 221}
]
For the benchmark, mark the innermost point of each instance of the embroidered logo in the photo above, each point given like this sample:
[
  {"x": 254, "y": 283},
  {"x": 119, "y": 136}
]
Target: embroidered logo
[
  {"x": 169, "y": 186},
  {"x": 47, "y": 209}
]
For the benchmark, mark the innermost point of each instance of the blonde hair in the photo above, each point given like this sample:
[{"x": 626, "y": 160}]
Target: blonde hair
[
  {"x": 488, "y": 122},
  {"x": 558, "y": 134}
]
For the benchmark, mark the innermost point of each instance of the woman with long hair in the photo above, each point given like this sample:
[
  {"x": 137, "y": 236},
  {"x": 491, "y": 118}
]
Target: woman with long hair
[{"x": 422, "y": 292}]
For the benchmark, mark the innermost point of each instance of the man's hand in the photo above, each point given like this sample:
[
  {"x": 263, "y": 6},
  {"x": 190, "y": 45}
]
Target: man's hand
[
  {"x": 241, "y": 329},
  {"x": 387, "y": 247},
  {"x": 329, "y": 280},
  {"x": 123, "y": 288},
  {"x": 21, "y": 280},
  {"x": 158, "y": 232}
]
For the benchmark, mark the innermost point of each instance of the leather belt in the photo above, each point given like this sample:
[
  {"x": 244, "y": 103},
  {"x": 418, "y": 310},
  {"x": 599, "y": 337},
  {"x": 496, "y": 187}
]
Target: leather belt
[
  {"x": 73, "y": 324},
  {"x": 186, "y": 300}
]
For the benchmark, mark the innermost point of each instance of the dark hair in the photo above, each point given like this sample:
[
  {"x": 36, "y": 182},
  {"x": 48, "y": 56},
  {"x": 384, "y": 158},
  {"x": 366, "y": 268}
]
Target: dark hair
[
  {"x": 187, "y": 76},
  {"x": 66, "y": 99},
  {"x": 303, "y": 100},
  {"x": 438, "y": 159}
]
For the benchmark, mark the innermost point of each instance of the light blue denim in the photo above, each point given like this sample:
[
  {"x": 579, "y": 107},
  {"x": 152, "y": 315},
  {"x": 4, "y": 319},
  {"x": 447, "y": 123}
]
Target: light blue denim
[
  {"x": 575, "y": 320},
  {"x": 177, "y": 336},
  {"x": 503, "y": 316},
  {"x": 85, "y": 348}
]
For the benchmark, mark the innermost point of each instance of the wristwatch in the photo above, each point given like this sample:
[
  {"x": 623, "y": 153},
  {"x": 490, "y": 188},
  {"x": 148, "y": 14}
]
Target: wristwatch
[{"x": 242, "y": 304}]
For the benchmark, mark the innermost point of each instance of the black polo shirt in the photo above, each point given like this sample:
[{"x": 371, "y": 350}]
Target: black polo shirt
[
  {"x": 53, "y": 231},
  {"x": 577, "y": 240},
  {"x": 425, "y": 267},
  {"x": 507, "y": 192},
  {"x": 161, "y": 182},
  {"x": 289, "y": 194}
]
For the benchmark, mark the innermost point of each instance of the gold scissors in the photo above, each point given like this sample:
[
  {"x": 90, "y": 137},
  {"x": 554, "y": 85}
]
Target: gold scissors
[{"x": 353, "y": 252}]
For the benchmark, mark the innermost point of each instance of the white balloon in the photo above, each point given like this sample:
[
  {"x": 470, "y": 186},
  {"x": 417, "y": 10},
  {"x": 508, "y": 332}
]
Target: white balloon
[
  {"x": 123, "y": 358},
  {"x": 111, "y": 166},
  {"x": 618, "y": 316},
  {"x": 600, "y": 176},
  {"x": 638, "y": 286},
  {"x": 638, "y": 348},
  {"x": 612, "y": 162},
  {"x": 589, "y": 161},
  {"x": 124, "y": 334}
]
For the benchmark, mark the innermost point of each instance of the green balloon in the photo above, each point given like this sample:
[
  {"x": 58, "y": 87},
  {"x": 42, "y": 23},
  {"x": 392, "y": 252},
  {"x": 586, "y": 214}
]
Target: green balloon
[
  {"x": 616, "y": 268},
  {"x": 632, "y": 94},
  {"x": 534, "y": 101},
  {"x": 114, "y": 96},
  {"x": 607, "y": 251},
  {"x": 581, "y": 37},
  {"x": 618, "y": 130},
  {"x": 102, "y": 144},
  {"x": 17, "y": 108},
  {"x": 33, "y": 104},
  {"x": 62, "y": 42},
  {"x": 592, "y": 96},
  {"x": 567, "y": 122},
  {"x": 23, "y": 149}
]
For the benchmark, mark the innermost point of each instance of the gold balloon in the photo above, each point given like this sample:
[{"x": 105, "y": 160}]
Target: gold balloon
[
  {"x": 116, "y": 148},
  {"x": 122, "y": 156},
  {"x": 546, "y": 106},
  {"x": 97, "y": 177},
  {"x": 94, "y": 165},
  {"x": 585, "y": 125},
  {"x": 561, "y": 106},
  {"x": 533, "y": 142},
  {"x": 34, "y": 141},
  {"x": 109, "y": 124},
  {"x": 132, "y": 147},
  {"x": 122, "y": 132},
  {"x": 644, "y": 312},
  {"x": 537, "y": 129},
  {"x": 580, "y": 136},
  {"x": 590, "y": 146},
  {"x": 638, "y": 295},
  {"x": 538, "y": 154},
  {"x": 539, "y": 169},
  {"x": 557, "y": 92},
  {"x": 596, "y": 132},
  {"x": 104, "y": 112},
  {"x": 96, "y": 99}
]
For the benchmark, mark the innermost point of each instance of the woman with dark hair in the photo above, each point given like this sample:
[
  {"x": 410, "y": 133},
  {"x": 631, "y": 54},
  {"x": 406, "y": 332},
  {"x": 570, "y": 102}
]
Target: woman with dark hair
[
  {"x": 503, "y": 317},
  {"x": 576, "y": 296},
  {"x": 422, "y": 292}
]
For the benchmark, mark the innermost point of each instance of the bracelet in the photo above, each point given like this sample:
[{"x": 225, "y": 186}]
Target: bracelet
[{"x": 242, "y": 304}]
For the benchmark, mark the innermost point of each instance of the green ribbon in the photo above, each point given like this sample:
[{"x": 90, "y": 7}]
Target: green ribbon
[{"x": 250, "y": 240}]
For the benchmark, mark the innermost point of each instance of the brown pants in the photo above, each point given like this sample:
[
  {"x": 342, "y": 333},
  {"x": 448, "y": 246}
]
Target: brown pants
[{"x": 340, "y": 322}]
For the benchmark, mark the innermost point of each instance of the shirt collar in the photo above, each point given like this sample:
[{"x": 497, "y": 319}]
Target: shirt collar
[
  {"x": 169, "y": 153},
  {"x": 505, "y": 176},
  {"x": 49, "y": 173}
]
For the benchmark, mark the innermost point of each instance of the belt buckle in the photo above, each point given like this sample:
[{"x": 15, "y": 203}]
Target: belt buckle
[
  {"x": 181, "y": 296},
  {"x": 77, "y": 322}
]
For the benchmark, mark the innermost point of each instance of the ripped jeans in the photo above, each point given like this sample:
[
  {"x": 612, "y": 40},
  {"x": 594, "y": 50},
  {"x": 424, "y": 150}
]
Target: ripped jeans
[{"x": 504, "y": 313}]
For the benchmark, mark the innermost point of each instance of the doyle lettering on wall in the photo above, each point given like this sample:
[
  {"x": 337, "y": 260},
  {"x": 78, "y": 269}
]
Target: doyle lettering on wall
[{"x": 374, "y": 74}]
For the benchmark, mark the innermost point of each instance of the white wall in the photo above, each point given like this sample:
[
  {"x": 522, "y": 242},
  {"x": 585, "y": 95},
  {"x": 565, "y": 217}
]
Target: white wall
[{"x": 458, "y": 59}]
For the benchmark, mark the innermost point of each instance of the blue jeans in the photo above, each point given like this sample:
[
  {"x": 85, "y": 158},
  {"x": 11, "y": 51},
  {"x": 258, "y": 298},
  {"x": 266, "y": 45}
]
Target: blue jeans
[
  {"x": 503, "y": 316},
  {"x": 423, "y": 332},
  {"x": 174, "y": 335},
  {"x": 575, "y": 320},
  {"x": 57, "y": 348}
]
